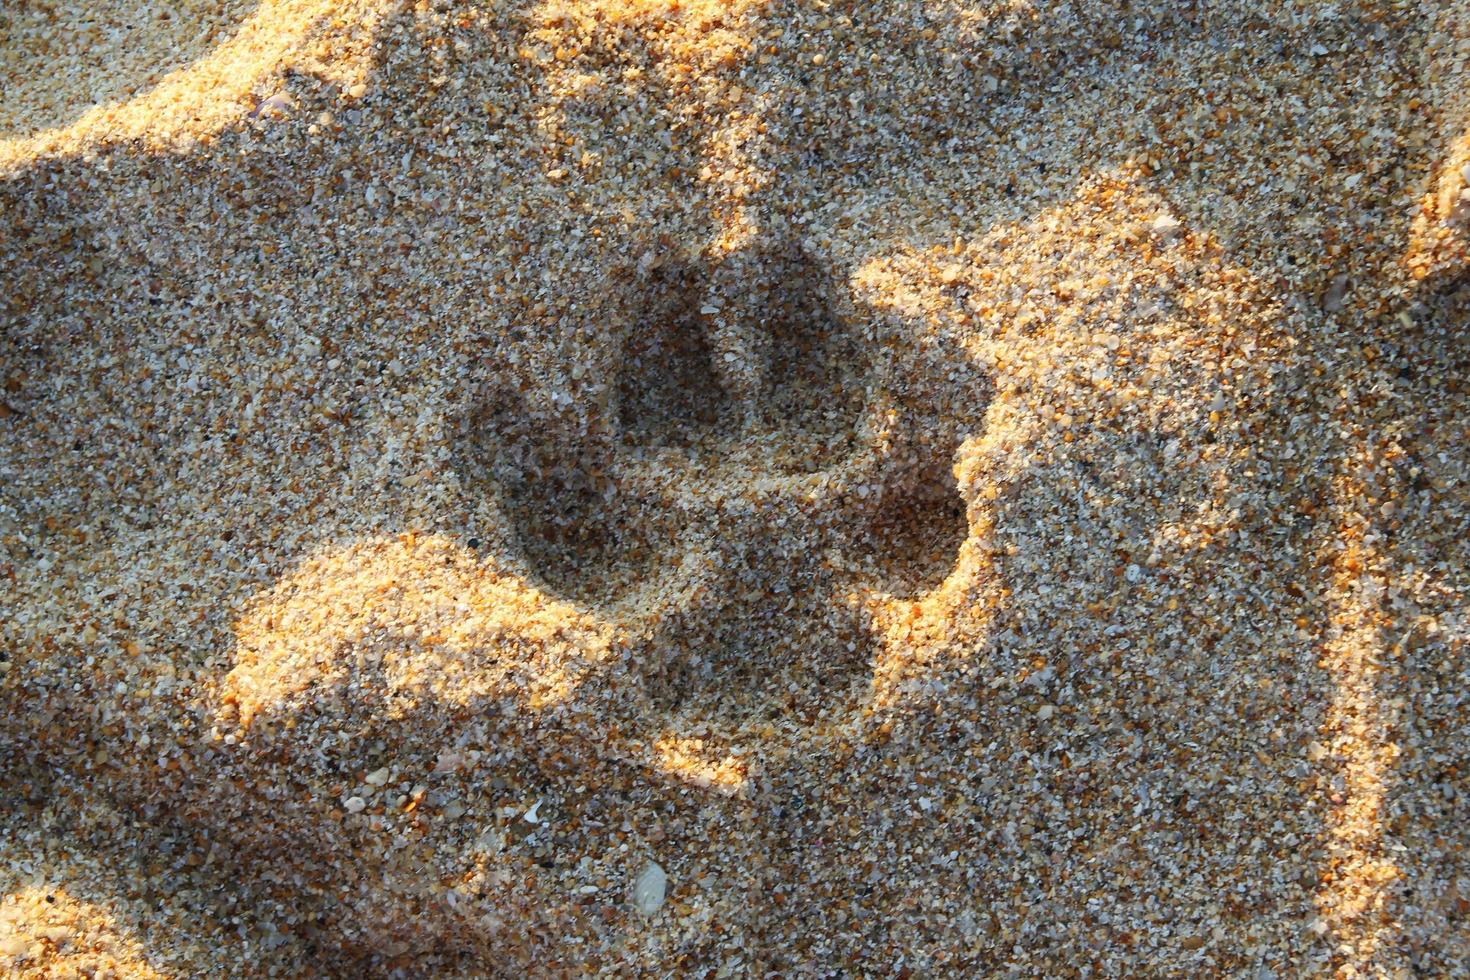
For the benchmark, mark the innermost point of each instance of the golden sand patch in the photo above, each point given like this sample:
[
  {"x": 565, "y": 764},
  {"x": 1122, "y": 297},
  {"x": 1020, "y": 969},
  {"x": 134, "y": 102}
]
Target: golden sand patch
[
  {"x": 340, "y": 620},
  {"x": 169, "y": 74},
  {"x": 46, "y": 932},
  {"x": 615, "y": 489}
]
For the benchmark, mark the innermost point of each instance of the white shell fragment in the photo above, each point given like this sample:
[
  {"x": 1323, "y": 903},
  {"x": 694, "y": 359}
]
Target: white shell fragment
[{"x": 649, "y": 889}]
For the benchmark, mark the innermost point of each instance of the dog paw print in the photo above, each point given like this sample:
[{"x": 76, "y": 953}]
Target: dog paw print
[{"x": 747, "y": 475}]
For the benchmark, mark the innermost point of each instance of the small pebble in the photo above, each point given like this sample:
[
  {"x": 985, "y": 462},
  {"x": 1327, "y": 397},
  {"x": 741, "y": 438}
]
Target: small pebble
[{"x": 649, "y": 889}]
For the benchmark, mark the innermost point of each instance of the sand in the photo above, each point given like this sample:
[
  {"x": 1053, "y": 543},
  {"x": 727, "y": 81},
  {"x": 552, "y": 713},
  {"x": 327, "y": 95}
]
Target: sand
[{"x": 734, "y": 489}]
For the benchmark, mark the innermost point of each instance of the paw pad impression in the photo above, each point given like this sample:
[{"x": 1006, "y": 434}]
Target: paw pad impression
[{"x": 744, "y": 477}]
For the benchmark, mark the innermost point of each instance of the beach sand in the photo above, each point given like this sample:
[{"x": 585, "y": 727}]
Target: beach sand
[{"x": 640, "y": 487}]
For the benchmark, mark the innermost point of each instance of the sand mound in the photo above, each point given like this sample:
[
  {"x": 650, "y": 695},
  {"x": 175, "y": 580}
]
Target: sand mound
[
  {"x": 167, "y": 74},
  {"x": 733, "y": 489}
]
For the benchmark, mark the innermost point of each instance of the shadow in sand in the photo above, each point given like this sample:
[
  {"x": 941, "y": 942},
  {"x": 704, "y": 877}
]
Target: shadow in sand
[
  {"x": 743, "y": 477},
  {"x": 1076, "y": 690},
  {"x": 1133, "y": 672},
  {"x": 166, "y": 876}
]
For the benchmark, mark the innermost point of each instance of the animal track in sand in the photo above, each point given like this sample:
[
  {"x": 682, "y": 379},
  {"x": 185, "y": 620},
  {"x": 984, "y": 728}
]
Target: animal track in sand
[{"x": 744, "y": 480}]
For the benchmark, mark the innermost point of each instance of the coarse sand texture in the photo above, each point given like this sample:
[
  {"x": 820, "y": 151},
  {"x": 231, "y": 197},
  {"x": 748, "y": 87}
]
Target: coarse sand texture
[{"x": 734, "y": 489}]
